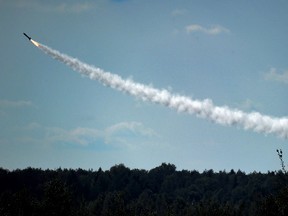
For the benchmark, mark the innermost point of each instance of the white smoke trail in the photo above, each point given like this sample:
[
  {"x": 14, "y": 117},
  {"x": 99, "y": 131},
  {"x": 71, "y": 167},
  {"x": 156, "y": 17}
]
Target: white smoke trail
[{"x": 204, "y": 109}]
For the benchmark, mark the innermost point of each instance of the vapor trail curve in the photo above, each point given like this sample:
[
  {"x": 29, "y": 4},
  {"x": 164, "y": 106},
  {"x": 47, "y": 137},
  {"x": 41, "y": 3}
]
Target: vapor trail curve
[{"x": 202, "y": 108}]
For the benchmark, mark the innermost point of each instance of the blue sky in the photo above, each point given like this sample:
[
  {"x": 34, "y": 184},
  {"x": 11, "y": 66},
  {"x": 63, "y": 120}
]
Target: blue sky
[{"x": 232, "y": 52}]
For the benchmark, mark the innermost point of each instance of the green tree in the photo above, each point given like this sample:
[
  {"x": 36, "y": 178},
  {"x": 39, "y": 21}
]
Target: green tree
[{"x": 57, "y": 199}]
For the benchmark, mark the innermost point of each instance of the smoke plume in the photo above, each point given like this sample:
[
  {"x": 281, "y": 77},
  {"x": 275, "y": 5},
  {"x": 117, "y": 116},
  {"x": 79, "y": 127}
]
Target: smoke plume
[{"x": 201, "y": 108}]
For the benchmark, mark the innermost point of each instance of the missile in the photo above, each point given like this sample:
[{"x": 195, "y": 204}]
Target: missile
[{"x": 27, "y": 36}]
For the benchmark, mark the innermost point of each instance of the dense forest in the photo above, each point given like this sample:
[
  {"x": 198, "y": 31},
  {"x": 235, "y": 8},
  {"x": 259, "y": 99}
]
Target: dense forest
[{"x": 159, "y": 191}]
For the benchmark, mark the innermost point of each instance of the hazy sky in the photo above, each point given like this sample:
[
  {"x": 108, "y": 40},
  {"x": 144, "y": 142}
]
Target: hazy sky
[{"x": 232, "y": 52}]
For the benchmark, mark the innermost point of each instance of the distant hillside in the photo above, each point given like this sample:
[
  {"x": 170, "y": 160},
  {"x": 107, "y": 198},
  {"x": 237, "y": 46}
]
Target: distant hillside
[{"x": 159, "y": 191}]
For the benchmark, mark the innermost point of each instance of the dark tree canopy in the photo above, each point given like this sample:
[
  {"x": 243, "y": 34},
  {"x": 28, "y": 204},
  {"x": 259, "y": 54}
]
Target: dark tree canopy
[{"x": 159, "y": 191}]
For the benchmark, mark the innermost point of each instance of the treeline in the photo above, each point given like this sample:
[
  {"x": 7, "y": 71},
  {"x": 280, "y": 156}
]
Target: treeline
[{"x": 123, "y": 191}]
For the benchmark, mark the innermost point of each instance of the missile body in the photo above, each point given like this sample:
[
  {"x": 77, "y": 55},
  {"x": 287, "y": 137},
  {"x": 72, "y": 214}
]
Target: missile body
[{"x": 27, "y": 36}]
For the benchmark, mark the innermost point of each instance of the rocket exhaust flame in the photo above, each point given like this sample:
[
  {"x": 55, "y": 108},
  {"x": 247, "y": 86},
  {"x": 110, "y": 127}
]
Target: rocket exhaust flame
[
  {"x": 201, "y": 108},
  {"x": 35, "y": 43}
]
